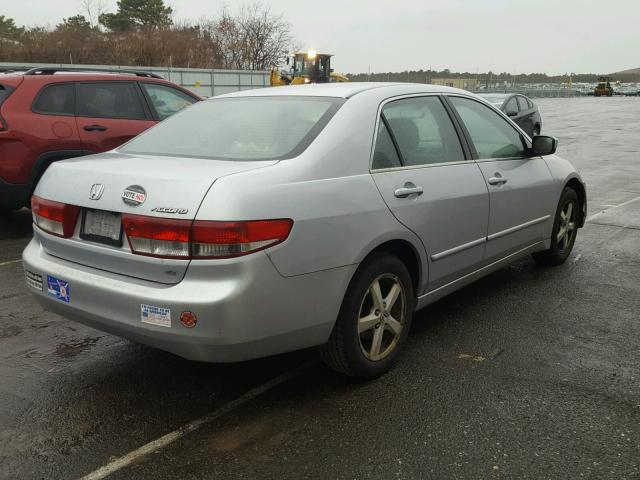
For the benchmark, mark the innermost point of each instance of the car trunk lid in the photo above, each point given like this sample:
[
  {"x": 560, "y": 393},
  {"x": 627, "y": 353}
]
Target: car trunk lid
[{"x": 154, "y": 186}]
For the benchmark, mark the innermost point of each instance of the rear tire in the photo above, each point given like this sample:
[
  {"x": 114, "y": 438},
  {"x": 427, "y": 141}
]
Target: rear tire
[
  {"x": 565, "y": 229},
  {"x": 374, "y": 319}
]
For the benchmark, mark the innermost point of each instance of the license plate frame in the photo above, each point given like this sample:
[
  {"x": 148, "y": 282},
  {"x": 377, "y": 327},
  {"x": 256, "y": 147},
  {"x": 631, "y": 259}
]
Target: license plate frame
[{"x": 97, "y": 237}]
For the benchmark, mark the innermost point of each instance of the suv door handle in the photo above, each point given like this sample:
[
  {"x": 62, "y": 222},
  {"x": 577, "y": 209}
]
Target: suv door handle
[
  {"x": 497, "y": 180},
  {"x": 408, "y": 189},
  {"x": 95, "y": 128}
]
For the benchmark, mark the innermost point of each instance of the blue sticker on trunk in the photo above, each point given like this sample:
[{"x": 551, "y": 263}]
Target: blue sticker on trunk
[{"x": 58, "y": 289}]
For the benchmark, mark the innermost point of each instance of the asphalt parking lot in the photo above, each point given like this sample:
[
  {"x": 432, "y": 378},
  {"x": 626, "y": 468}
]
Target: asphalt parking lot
[{"x": 528, "y": 373}]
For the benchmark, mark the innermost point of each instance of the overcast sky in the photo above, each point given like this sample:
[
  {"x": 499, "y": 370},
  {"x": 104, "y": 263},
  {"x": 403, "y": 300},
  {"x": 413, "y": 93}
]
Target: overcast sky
[{"x": 517, "y": 36}]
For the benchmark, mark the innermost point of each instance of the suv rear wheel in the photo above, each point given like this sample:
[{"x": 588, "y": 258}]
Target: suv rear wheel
[{"x": 374, "y": 319}]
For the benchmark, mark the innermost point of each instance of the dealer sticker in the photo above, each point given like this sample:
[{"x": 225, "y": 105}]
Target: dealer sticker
[
  {"x": 58, "y": 289},
  {"x": 155, "y": 315}
]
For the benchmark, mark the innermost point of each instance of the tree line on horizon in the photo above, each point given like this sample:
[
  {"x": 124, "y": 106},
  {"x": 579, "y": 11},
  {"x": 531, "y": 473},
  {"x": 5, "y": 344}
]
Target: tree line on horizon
[
  {"x": 486, "y": 78},
  {"x": 143, "y": 33}
]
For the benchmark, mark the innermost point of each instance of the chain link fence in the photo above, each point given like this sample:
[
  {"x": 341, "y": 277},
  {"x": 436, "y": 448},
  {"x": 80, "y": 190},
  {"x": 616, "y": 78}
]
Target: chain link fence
[{"x": 204, "y": 82}]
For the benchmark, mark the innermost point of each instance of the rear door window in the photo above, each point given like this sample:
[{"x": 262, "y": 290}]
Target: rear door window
[
  {"x": 385, "y": 154},
  {"x": 522, "y": 102},
  {"x": 110, "y": 100},
  {"x": 5, "y": 91},
  {"x": 511, "y": 106},
  {"x": 423, "y": 131},
  {"x": 56, "y": 99},
  {"x": 167, "y": 100},
  {"x": 492, "y": 135}
]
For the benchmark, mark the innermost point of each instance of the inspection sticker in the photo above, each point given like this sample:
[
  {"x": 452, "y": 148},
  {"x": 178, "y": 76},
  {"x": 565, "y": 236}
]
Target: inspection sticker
[
  {"x": 155, "y": 315},
  {"x": 58, "y": 289}
]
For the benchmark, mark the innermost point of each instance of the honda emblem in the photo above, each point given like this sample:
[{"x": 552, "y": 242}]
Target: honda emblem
[{"x": 96, "y": 191}]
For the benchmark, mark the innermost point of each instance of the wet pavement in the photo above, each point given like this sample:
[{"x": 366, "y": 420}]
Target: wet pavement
[{"x": 528, "y": 373}]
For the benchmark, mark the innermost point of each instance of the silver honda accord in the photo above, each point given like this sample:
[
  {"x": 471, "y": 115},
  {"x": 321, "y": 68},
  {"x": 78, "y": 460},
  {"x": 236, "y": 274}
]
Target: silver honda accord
[{"x": 272, "y": 220}]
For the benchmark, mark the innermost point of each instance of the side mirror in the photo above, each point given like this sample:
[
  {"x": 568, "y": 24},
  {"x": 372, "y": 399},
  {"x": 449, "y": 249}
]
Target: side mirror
[{"x": 544, "y": 145}]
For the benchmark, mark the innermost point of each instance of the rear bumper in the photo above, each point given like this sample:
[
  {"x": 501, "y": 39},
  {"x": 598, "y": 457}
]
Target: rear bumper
[
  {"x": 14, "y": 195},
  {"x": 245, "y": 308}
]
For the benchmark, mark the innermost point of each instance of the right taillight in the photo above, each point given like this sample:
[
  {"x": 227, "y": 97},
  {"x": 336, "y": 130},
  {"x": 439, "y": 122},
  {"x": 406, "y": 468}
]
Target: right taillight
[
  {"x": 184, "y": 239},
  {"x": 233, "y": 239},
  {"x": 54, "y": 217},
  {"x": 157, "y": 237}
]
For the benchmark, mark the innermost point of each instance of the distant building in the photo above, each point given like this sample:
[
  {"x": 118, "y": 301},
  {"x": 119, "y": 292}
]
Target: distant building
[{"x": 463, "y": 83}]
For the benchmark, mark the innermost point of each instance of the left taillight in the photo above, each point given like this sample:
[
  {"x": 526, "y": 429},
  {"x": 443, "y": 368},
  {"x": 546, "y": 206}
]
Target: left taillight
[
  {"x": 54, "y": 217},
  {"x": 184, "y": 239}
]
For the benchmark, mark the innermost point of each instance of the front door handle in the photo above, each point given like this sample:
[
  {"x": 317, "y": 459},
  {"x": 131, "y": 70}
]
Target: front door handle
[
  {"x": 408, "y": 189},
  {"x": 95, "y": 128},
  {"x": 497, "y": 180}
]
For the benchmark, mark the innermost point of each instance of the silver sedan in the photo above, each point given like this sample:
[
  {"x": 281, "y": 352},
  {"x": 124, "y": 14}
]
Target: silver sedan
[{"x": 272, "y": 220}]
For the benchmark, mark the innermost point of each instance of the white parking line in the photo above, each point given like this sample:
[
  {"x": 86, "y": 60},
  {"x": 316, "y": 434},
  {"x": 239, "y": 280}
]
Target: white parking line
[
  {"x": 611, "y": 208},
  {"x": 11, "y": 262},
  {"x": 169, "y": 438}
]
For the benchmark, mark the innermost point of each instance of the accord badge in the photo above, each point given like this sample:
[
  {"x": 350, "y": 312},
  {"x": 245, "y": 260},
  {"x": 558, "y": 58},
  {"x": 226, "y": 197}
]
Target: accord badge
[{"x": 179, "y": 211}]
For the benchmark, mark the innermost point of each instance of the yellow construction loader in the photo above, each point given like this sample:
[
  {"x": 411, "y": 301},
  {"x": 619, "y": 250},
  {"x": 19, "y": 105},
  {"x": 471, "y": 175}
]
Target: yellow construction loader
[{"x": 307, "y": 67}]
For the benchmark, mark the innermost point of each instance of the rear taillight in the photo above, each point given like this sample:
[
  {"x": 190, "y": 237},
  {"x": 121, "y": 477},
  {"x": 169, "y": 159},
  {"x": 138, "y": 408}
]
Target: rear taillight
[
  {"x": 232, "y": 239},
  {"x": 157, "y": 237},
  {"x": 54, "y": 217},
  {"x": 184, "y": 239}
]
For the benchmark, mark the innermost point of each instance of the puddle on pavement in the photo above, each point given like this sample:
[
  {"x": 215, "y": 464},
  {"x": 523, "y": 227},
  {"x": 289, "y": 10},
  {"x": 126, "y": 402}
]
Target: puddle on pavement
[{"x": 70, "y": 350}]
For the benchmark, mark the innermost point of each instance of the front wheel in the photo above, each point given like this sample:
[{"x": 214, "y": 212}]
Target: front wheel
[
  {"x": 374, "y": 319},
  {"x": 565, "y": 228}
]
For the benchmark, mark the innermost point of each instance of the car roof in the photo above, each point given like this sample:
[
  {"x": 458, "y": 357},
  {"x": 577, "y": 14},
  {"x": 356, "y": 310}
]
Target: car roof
[
  {"x": 342, "y": 89},
  {"x": 496, "y": 95},
  {"x": 81, "y": 75},
  {"x": 89, "y": 75}
]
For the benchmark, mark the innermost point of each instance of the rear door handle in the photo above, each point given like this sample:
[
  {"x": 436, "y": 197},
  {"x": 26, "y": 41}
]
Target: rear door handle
[
  {"x": 497, "y": 180},
  {"x": 408, "y": 189},
  {"x": 95, "y": 128}
]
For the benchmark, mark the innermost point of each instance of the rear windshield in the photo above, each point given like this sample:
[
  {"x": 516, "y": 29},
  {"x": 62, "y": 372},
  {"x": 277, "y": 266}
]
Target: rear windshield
[{"x": 247, "y": 128}]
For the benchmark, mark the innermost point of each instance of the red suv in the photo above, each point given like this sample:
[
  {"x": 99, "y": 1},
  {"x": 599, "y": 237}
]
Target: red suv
[{"x": 48, "y": 115}]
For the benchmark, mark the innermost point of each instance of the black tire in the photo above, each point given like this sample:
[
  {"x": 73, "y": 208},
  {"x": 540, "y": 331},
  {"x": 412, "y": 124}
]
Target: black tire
[
  {"x": 344, "y": 352},
  {"x": 560, "y": 249}
]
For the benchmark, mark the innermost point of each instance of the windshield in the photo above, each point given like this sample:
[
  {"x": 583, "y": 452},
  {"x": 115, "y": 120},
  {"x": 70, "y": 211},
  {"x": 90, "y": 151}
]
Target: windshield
[{"x": 242, "y": 128}]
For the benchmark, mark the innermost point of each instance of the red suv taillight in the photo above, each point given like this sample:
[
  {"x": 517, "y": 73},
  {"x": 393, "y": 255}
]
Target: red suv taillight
[
  {"x": 54, "y": 217},
  {"x": 184, "y": 239}
]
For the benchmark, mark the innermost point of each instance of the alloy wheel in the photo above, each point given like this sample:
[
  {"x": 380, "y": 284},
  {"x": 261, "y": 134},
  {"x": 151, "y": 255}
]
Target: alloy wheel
[
  {"x": 382, "y": 317},
  {"x": 567, "y": 226}
]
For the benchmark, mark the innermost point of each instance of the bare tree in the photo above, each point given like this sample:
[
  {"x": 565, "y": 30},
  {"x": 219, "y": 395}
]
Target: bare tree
[
  {"x": 92, "y": 9},
  {"x": 254, "y": 39}
]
